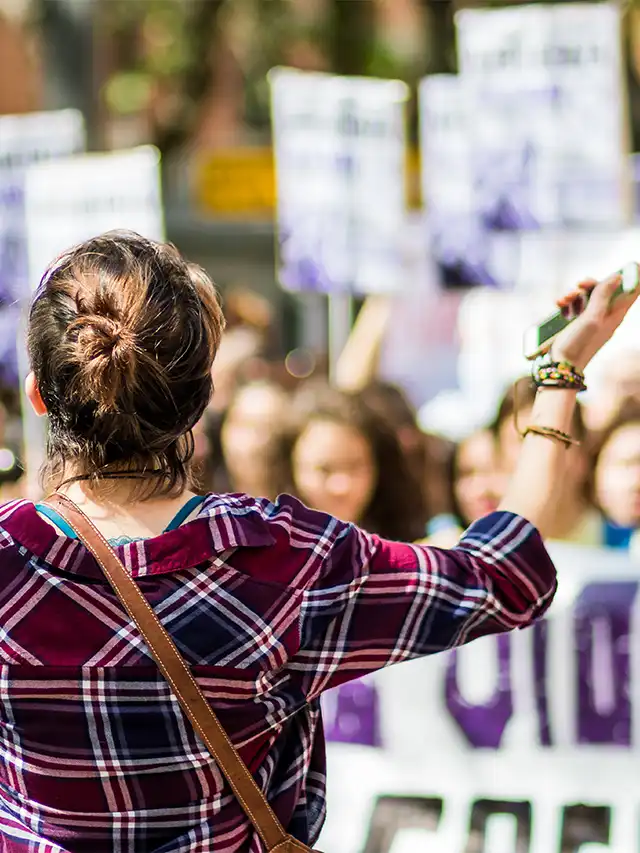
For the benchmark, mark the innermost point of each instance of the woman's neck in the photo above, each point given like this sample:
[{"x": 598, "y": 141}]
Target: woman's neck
[{"x": 117, "y": 512}]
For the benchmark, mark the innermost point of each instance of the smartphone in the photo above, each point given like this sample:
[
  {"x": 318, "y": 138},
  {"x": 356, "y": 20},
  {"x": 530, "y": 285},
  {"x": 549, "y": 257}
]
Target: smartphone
[{"x": 538, "y": 339}]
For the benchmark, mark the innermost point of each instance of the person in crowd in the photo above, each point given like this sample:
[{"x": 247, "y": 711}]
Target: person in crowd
[
  {"x": 579, "y": 521},
  {"x": 251, "y": 440},
  {"x": 270, "y": 603},
  {"x": 619, "y": 380},
  {"x": 474, "y": 487},
  {"x": 346, "y": 460},
  {"x": 246, "y": 349},
  {"x": 617, "y": 478},
  {"x": 428, "y": 454},
  {"x": 245, "y": 308}
]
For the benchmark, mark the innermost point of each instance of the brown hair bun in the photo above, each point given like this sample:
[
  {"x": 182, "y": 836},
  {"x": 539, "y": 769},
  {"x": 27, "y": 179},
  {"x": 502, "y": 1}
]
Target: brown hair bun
[{"x": 122, "y": 336}]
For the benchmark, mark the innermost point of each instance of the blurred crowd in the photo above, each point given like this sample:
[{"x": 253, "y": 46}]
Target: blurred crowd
[{"x": 357, "y": 452}]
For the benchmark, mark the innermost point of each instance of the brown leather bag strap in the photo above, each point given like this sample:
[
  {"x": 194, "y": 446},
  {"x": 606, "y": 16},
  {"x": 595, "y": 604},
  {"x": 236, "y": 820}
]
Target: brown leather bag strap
[{"x": 181, "y": 681}]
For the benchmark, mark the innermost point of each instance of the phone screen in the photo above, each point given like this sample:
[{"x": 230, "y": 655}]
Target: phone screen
[{"x": 551, "y": 327}]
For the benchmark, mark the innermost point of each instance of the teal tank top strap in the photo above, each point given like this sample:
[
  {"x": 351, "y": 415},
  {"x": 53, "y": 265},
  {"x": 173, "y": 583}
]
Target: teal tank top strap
[
  {"x": 57, "y": 519},
  {"x": 184, "y": 512}
]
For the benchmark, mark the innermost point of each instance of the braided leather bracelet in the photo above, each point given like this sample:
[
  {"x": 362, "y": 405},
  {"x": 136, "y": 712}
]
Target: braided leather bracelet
[
  {"x": 545, "y": 432},
  {"x": 550, "y": 432}
]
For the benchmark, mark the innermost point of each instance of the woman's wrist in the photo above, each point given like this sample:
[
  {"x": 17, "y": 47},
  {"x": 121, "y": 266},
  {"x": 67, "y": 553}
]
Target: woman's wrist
[
  {"x": 557, "y": 355},
  {"x": 554, "y": 407}
]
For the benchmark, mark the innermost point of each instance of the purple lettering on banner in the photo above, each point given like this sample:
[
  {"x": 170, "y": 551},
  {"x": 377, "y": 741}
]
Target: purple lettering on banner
[
  {"x": 540, "y": 659},
  {"x": 602, "y": 624},
  {"x": 483, "y": 725},
  {"x": 356, "y": 717}
]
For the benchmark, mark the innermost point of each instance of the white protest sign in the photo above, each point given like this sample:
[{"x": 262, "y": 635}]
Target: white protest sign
[
  {"x": 25, "y": 140},
  {"x": 445, "y": 144},
  {"x": 525, "y": 742},
  {"x": 547, "y": 103},
  {"x": 339, "y": 145},
  {"x": 69, "y": 201},
  {"x": 466, "y": 252}
]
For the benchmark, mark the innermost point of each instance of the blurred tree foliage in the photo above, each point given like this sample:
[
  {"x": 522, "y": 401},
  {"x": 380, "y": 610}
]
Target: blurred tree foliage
[
  {"x": 162, "y": 53},
  {"x": 158, "y": 61}
]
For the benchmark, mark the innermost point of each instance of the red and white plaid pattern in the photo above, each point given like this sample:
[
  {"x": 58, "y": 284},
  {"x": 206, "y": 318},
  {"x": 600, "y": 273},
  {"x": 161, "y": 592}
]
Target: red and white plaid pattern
[{"x": 271, "y": 604}]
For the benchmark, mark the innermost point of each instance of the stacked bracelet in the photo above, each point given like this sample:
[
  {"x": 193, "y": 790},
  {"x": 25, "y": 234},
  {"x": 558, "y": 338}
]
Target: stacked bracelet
[{"x": 558, "y": 374}]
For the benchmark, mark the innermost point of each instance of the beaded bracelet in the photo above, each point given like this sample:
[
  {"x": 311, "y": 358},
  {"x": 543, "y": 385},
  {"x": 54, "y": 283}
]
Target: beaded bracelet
[
  {"x": 550, "y": 432},
  {"x": 559, "y": 374}
]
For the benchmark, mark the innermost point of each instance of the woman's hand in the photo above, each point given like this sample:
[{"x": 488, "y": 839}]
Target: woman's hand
[{"x": 589, "y": 332}]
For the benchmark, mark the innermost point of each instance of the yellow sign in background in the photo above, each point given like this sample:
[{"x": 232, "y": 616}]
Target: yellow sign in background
[
  {"x": 236, "y": 182},
  {"x": 240, "y": 182}
]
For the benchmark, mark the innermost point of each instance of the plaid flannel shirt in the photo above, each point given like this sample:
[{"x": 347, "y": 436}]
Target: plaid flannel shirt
[{"x": 270, "y": 604}]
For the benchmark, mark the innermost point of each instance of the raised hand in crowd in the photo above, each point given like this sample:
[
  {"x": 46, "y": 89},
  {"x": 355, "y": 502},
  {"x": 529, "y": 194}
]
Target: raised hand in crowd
[{"x": 535, "y": 490}]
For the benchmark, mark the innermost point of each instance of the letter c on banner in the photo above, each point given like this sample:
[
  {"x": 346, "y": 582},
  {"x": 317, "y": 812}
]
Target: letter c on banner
[
  {"x": 602, "y": 626},
  {"x": 482, "y": 725}
]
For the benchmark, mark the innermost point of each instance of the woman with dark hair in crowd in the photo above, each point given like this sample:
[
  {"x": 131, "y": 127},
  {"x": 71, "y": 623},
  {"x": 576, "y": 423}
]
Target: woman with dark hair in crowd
[
  {"x": 346, "y": 460},
  {"x": 428, "y": 455},
  {"x": 269, "y": 604},
  {"x": 473, "y": 484},
  {"x": 251, "y": 435}
]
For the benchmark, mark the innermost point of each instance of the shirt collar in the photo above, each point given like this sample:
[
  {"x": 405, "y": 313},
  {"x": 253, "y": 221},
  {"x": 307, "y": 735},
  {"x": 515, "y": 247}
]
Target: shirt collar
[{"x": 223, "y": 523}]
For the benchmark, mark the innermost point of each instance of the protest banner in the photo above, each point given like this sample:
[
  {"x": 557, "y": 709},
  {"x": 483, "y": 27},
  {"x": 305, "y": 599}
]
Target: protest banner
[
  {"x": 504, "y": 147},
  {"x": 339, "y": 146},
  {"x": 547, "y": 124},
  {"x": 25, "y": 140},
  {"x": 524, "y": 742},
  {"x": 466, "y": 252},
  {"x": 340, "y": 156},
  {"x": 71, "y": 200}
]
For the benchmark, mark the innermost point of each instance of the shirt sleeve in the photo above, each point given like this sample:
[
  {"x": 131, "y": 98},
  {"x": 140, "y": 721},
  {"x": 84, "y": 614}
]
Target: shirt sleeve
[{"x": 376, "y": 603}]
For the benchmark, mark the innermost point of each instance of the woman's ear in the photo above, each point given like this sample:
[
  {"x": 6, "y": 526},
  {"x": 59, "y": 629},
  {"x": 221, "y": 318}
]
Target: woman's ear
[{"x": 34, "y": 396}]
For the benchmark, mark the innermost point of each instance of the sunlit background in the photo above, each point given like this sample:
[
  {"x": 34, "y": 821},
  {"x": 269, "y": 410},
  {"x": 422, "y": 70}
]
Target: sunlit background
[{"x": 387, "y": 194}]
